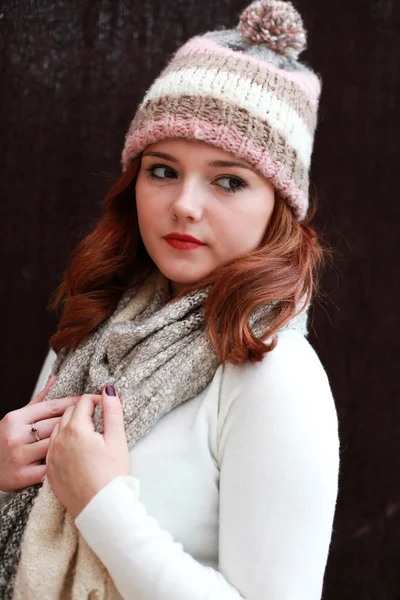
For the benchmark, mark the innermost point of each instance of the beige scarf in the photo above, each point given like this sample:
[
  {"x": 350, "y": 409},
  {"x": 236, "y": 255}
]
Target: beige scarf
[{"x": 157, "y": 356}]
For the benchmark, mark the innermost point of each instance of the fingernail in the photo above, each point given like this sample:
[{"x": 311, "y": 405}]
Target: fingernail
[{"x": 110, "y": 390}]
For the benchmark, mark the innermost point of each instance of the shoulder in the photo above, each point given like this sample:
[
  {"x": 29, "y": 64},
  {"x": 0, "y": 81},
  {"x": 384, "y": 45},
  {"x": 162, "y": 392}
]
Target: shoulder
[
  {"x": 293, "y": 354},
  {"x": 288, "y": 389},
  {"x": 292, "y": 364}
]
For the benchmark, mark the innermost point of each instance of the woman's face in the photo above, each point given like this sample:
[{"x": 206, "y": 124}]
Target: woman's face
[{"x": 225, "y": 207}]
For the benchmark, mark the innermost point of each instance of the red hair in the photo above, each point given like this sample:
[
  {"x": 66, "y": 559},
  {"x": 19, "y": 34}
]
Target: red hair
[{"x": 283, "y": 268}]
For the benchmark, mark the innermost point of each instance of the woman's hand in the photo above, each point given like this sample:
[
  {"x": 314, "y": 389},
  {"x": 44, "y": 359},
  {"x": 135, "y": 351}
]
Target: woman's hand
[
  {"x": 20, "y": 453},
  {"x": 81, "y": 461}
]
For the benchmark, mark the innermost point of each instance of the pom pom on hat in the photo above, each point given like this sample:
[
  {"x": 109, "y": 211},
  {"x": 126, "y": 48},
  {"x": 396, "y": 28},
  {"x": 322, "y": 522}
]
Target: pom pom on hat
[{"x": 275, "y": 23}]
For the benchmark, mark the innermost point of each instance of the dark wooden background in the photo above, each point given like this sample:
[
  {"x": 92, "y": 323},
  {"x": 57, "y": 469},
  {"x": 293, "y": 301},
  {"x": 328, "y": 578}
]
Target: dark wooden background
[{"x": 72, "y": 73}]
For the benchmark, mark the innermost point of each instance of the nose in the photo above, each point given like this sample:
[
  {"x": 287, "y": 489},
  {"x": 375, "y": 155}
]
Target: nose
[{"x": 188, "y": 203}]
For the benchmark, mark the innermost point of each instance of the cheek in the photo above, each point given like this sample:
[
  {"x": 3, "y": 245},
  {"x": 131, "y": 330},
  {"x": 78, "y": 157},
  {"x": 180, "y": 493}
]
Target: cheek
[
  {"x": 242, "y": 229},
  {"x": 146, "y": 209},
  {"x": 142, "y": 213}
]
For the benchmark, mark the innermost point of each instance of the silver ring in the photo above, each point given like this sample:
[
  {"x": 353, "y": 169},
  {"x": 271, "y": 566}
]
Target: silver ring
[{"x": 35, "y": 432}]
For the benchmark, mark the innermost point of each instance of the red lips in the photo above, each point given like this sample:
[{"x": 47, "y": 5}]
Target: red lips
[
  {"x": 182, "y": 241},
  {"x": 183, "y": 237}
]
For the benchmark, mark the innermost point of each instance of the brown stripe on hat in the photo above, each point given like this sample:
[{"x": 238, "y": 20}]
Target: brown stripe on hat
[
  {"x": 217, "y": 112},
  {"x": 273, "y": 82}
]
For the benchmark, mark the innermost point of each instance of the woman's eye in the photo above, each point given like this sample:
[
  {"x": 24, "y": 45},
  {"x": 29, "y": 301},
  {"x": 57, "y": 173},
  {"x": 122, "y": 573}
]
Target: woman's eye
[
  {"x": 160, "y": 168},
  {"x": 156, "y": 172},
  {"x": 238, "y": 184}
]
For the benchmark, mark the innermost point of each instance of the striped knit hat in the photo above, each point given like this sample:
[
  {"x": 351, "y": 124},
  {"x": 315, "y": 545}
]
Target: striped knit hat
[{"x": 242, "y": 90}]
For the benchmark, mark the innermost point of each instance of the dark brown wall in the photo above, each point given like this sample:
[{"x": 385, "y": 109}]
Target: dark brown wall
[{"x": 72, "y": 74}]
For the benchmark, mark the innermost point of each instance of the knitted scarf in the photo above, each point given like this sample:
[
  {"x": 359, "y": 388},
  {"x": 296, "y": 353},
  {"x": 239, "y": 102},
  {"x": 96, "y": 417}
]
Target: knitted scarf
[{"x": 158, "y": 356}]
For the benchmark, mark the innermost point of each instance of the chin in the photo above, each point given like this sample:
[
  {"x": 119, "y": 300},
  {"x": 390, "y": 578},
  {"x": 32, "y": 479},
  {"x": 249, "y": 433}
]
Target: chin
[{"x": 184, "y": 274}]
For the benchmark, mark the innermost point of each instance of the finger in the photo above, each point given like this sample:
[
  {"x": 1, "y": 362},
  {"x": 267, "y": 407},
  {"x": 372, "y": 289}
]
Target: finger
[
  {"x": 33, "y": 474},
  {"x": 47, "y": 409},
  {"x": 84, "y": 408},
  {"x": 36, "y": 452},
  {"x": 43, "y": 393},
  {"x": 44, "y": 429},
  {"x": 66, "y": 417},
  {"x": 53, "y": 435},
  {"x": 113, "y": 415}
]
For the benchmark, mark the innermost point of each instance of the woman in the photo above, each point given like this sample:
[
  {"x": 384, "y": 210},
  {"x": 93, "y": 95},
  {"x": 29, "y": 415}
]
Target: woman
[{"x": 191, "y": 440}]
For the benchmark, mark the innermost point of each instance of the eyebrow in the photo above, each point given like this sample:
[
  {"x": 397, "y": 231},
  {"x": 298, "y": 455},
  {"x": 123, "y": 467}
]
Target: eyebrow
[{"x": 213, "y": 163}]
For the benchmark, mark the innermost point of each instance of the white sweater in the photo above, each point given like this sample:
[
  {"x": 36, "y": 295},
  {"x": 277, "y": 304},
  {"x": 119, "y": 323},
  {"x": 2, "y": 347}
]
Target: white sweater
[{"x": 232, "y": 493}]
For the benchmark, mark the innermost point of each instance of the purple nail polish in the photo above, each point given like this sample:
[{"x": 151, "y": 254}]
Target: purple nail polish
[{"x": 110, "y": 390}]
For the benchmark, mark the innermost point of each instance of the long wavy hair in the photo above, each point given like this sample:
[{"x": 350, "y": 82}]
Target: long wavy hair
[{"x": 283, "y": 269}]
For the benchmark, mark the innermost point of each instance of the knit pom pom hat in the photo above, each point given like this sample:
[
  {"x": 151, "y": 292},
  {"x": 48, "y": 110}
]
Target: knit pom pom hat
[{"x": 242, "y": 90}]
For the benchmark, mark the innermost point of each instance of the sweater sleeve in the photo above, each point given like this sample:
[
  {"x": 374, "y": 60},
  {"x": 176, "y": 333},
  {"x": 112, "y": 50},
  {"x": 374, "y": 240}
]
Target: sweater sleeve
[
  {"x": 144, "y": 560},
  {"x": 278, "y": 455}
]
